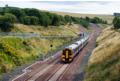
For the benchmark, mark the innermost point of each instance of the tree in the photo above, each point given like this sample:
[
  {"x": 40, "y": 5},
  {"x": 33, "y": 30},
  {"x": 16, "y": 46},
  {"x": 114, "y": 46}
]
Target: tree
[
  {"x": 95, "y": 20},
  {"x": 34, "y": 20},
  {"x": 7, "y": 22},
  {"x": 87, "y": 19},
  {"x": 44, "y": 20},
  {"x": 51, "y": 16},
  {"x": 67, "y": 18},
  {"x": 56, "y": 20},
  {"x": 17, "y": 12},
  {"x": 116, "y": 22},
  {"x": 76, "y": 20},
  {"x": 27, "y": 20},
  {"x": 10, "y": 17},
  {"x": 84, "y": 23},
  {"x": 32, "y": 12}
]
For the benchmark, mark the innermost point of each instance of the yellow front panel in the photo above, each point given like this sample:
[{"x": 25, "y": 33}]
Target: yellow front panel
[
  {"x": 66, "y": 54},
  {"x": 63, "y": 55}
]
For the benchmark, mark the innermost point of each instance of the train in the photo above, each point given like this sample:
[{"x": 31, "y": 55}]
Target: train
[{"x": 70, "y": 51}]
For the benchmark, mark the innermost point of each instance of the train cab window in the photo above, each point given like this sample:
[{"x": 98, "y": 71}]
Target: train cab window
[
  {"x": 75, "y": 43},
  {"x": 69, "y": 51}
]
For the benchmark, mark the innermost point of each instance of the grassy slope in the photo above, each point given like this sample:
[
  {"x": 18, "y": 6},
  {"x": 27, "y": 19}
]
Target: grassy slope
[
  {"x": 49, "y": 31},
  {"x": 104, "y": 63},
  {"x": 28, "y": 49},
  {"x": 109, "y": 18}
]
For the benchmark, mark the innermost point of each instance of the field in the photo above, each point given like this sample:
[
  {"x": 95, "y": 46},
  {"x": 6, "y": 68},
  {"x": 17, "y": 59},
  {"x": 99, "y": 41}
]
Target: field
[
  {"x": 109, "y": 18},
  {"x": 104, "y": 63}
]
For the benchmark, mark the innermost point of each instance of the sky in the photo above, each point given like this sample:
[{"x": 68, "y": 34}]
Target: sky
[{"x": 87, "y": 7}]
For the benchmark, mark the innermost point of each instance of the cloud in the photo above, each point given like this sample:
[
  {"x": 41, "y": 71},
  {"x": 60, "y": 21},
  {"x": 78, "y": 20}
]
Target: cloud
[{"x": 90, "y": 7}]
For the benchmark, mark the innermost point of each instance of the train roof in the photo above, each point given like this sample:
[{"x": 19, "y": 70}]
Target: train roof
[
  {"x": 77, "y": 43},
  {"x": 72, "y": 46}
]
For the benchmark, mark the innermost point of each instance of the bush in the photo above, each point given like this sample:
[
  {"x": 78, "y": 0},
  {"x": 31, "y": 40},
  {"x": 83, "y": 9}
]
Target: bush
[
  {"x": 67, "y": 18},
  {"x": 7, "y": 22},
  {"x": 84, "y": 23},
  {"x": 116, "y": 22},
  {"x": 34, "y": 20},
  {"x": 44, "y": 20},
  {"x": 17, "y": 12},
  {"x": 87, "y": 19},
  {"x": 27, "y": 20},
  {"x": 56, "y": 20},
  {"x": 10, "y": 17},
  {"x": 32, "y": 12},
  {"x": 97, "y": 20}
]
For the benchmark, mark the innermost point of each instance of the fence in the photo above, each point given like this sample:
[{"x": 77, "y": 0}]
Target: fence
[{"x": 28, "y": 35}]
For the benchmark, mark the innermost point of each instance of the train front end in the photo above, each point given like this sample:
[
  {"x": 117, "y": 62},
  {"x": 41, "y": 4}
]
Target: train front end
[{"x": 67, "y": 55}]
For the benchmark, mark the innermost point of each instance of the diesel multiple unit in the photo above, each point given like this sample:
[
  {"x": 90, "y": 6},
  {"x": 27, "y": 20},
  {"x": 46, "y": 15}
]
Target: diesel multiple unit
[{"x": 69, "y": 52}]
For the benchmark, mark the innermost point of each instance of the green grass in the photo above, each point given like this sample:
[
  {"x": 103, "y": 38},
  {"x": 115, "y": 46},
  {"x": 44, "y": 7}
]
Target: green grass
[{"x": 18, "y": 51}]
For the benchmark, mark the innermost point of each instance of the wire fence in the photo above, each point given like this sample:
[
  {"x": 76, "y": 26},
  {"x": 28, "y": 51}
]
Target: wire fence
[{"x": 28, "y": 35}]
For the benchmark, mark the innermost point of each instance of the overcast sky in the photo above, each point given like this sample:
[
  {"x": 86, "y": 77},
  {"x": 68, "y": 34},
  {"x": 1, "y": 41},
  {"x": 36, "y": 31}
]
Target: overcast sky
[{"x": 90, "y": 7}]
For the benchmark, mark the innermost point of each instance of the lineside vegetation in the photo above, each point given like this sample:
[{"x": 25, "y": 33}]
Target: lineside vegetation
[{"x": 32, "y": 16}]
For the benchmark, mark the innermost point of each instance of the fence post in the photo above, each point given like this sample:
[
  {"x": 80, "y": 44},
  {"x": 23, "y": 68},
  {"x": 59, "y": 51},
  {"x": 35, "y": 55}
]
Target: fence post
[
  {"x": 41, "y": 56},
  {"x": 51, "y": 49}
]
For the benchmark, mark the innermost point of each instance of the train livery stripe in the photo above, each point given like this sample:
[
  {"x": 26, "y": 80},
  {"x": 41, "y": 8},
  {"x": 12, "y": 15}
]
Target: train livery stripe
[
  {"x": 70, "y": 55},
  {"x": 66, "y": 54}
]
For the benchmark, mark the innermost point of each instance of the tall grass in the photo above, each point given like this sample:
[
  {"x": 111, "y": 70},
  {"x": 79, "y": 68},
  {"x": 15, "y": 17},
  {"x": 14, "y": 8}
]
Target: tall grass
[{"x": 104, "y": 63}]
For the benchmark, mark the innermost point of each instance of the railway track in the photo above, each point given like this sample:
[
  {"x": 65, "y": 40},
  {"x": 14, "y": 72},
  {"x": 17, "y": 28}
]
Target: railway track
[{"x": 53, "y": 69}]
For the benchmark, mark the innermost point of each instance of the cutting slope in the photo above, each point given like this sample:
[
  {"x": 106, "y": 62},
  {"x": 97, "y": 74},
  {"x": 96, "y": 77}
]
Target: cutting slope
[{"x": 104, "y": 63}]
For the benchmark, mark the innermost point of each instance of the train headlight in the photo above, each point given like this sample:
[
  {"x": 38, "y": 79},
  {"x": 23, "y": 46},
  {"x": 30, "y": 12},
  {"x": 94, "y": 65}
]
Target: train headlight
[
  {"x": 63, "y": 56},
  {"x": 63, "y": 59},
  {"x": 70, "y": 59}
]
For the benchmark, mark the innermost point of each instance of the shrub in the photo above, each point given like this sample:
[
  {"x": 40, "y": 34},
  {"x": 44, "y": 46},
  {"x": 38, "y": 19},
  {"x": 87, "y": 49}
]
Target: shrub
[
  {"x": 97, "y": 20},
  {"x": 7, "y": 21},
  {"x": 84, "y": 23},
  {"x": 116, "y": 22},
  {"x": 17, "y": 12},
  {"x": 56, "y": 20},
  {"x": 27, "y": 20},
  {"x": 34, "y": 20}
]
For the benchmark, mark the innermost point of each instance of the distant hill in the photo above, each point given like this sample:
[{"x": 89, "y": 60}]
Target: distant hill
[{"x": 109, "y": 18}]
